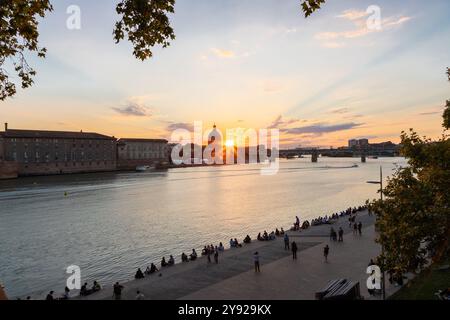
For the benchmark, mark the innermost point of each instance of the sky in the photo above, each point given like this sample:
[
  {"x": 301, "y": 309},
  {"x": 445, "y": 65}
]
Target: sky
[{"x": 250, "y": 64}]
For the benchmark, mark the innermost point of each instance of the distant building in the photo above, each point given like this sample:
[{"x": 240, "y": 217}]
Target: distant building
[
  {"x": 363, "y": 142},
  {"x": 358, "y": 143},
  {"x": 132, "y": 153},
  {"x": 39, "y": 152},
  {"x": 352, "y": 143}
]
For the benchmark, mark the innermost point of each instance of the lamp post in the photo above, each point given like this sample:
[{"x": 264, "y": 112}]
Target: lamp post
[{"x": 383, "y": 290}]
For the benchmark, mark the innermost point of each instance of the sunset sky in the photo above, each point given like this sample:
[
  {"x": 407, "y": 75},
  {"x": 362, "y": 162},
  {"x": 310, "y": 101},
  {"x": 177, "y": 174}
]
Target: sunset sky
[{"x": 246, "y": 63}]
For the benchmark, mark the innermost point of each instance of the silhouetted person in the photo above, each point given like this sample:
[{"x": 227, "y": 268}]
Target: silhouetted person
[
  {"x": 294, "y": 250},
  {"x": 139, "y": 295},
  {"x": 286, "y": 242},
  {"x": 326, "y": 251},
  {"x": 256, "y": 260},
  {"x": 193, "y": 255},
  {"x": 96, "y": 287},
  {"x": 139, "y": 274},
  {"x": 117, "y": 291},
  {"x": 216, "y": 256},
  {"x": 83, "y": 290},
  {"x": 50, "y": 296},
  {"x": 341, "y": 234},
  {"x": 360, "y": 228},
  {"x": 66, "y": 294}
]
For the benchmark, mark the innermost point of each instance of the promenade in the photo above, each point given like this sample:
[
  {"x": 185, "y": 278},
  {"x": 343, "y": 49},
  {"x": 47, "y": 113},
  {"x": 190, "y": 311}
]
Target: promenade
[{"x": 280, "y": 277}]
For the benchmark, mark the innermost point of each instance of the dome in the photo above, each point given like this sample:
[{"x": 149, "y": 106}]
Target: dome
[{"x": 213, "y": 135}]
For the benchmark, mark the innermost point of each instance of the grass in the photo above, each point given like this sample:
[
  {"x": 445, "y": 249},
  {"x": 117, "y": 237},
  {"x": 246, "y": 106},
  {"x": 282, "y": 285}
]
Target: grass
[{"x": 425, "y": 284}]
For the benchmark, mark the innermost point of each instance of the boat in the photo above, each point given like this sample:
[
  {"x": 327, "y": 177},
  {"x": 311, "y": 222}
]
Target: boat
[{"x": 143, "y": 168}]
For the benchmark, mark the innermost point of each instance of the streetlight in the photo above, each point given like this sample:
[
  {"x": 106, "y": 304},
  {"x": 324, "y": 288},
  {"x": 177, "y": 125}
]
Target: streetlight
[{"x": 382, "y": 247}]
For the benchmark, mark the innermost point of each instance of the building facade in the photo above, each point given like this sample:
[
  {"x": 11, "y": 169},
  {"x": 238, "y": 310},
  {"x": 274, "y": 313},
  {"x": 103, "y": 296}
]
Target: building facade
[
  {"x": 38, "y": 152},
  {"x": 132, "y": 153}
]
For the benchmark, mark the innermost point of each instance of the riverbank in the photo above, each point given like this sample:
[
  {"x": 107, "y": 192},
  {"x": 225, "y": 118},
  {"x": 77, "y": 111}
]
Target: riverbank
[{"x": 280, "y": 277}]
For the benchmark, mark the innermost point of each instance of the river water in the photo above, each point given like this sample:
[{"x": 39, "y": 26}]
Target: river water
[{"x": 111, "y": 223}]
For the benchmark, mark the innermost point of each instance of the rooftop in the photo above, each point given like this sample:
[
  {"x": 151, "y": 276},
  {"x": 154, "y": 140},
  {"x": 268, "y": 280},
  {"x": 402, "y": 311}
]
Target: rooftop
[
  {"x": 141, "y": 140},
  {"x": 16, "y": 133}
]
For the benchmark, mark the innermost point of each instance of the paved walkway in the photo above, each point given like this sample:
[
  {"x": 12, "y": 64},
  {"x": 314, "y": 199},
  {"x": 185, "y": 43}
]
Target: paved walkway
[{"x": 280, "y": 277}]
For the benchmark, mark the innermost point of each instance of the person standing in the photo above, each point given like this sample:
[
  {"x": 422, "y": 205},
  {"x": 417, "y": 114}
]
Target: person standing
[
  {"x": 294, "y": 250},
  {"x": 341, "y": 234},
  {"x": 355, "y": 228},
  {"x": 216, "y": 256},
  {"x": 256, "y": 260},
  {"x": 331, "y": 234},
  {"x": 326, "y": 251},
  {"x": 286, "y": 242},
  {"x": 117, "y": 291},
  {"x": 360, "y": 228}
]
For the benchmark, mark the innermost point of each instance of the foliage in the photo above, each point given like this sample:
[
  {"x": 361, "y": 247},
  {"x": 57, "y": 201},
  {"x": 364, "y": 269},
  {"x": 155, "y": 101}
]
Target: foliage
[
  {"x": 19, "y": 36},
  {"x": 446, "y": 115},
  {"x": 146, "y": 23},
  {"x": 414, "y": 219},
  {"x": 425, "y": 285},
  {"x": 309, "y": 6}
]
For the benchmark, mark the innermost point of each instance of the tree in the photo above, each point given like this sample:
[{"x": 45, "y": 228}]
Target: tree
[
  {"x": 414, "y": 219},
  {"x": 18, "y": 37},
  {"x": 145, "y": 23},
  {"x": 446, "y": 115}
]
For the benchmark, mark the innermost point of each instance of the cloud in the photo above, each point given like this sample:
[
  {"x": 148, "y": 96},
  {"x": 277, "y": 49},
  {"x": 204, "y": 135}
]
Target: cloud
[
  {"x": 280, "y": 122},
  {"x": 223, "y": 53},
  {"x": 172, "y": 126},
  {"x": 133, "y": 109},
  {"x": 366, "y": 137},
  {"x": 334, "y": 39},
  {"x": 353, "y": 14},
  {"x": 430, "y": 113},
  {"x": 333, "y": 45},
  {"x": 396, "y": 22},
  {"x": 319, "y": 129},
  {"x": 340, "y": 110}
]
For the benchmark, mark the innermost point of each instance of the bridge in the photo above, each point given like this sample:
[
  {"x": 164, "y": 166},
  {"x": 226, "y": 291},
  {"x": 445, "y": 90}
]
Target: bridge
[{"x": 316, "y": 152}]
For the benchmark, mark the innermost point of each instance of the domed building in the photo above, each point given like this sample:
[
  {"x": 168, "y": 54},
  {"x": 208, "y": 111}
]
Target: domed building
[{"x": 213, "y": 135}]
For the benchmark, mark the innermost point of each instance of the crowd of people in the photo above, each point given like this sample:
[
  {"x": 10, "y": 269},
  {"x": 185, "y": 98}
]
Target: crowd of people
[
  {"x": 213, "y": 251},
  {"x": 269, "y": 236},
  {"x": 328, "y": 219}
]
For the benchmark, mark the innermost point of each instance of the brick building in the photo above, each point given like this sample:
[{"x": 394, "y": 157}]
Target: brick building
[
  {"x": 132, "y": 153},
  {"x": 38, "y": 152}
]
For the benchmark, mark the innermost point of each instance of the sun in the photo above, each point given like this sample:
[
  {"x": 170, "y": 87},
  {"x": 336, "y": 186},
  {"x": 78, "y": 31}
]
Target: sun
[{"x": 229, "y": 143}]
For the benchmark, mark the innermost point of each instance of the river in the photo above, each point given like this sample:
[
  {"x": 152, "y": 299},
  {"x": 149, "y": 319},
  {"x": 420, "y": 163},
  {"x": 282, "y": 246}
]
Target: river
[{"x": 109, "y": 224}]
